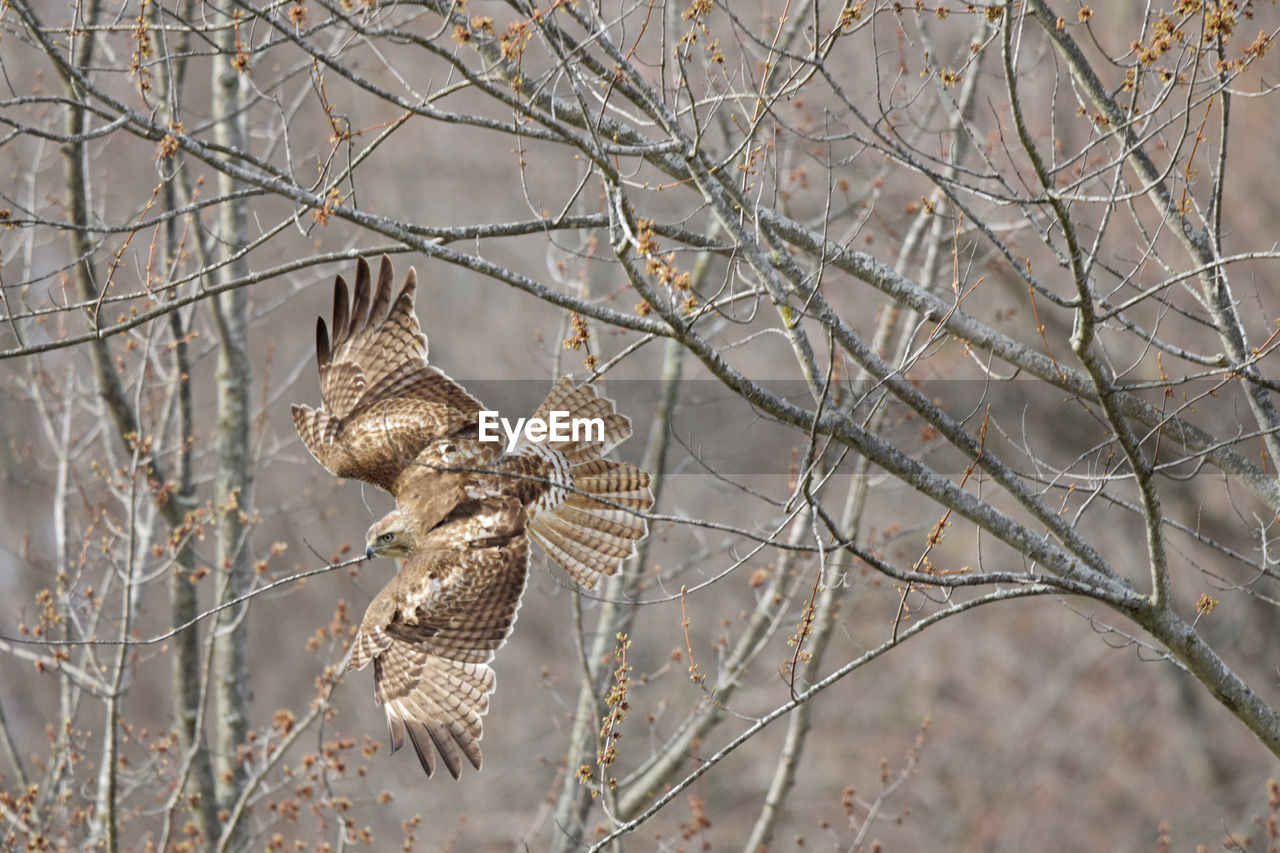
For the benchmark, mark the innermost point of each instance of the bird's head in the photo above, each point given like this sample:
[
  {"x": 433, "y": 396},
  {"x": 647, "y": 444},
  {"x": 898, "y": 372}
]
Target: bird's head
[{"x": 390, "y": 536}]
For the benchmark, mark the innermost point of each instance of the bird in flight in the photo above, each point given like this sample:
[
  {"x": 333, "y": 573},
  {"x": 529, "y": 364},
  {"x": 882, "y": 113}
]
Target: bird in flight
[{"x": 465, "y": 510}]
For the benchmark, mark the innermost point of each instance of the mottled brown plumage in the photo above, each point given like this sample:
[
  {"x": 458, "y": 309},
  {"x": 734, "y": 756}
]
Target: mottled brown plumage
[
  {"x": 433, "y": 629},
  {"x": 382, "y": 403},
  {"x": 464, "y": 514}
]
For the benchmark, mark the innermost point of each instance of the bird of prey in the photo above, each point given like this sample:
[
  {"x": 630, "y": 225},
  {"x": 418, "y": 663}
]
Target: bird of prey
[{"x": 465, "y": 511}]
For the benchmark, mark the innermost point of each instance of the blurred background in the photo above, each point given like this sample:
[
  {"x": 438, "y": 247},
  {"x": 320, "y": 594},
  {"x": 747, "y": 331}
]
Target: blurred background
[{"x": 182, "y": 237}]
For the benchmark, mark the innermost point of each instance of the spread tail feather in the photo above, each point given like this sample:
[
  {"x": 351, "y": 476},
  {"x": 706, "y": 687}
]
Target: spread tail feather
[{"x": 587, "y": 521}]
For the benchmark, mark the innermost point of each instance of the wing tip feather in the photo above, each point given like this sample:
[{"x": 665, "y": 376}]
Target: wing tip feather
[
  {"x": 324, "y": 354},
  {"x": 341, "y": 306}
]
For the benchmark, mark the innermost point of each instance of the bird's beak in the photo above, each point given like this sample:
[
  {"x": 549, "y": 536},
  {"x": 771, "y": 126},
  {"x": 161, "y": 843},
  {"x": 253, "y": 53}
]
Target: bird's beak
[{"x": 368, "y": 552}]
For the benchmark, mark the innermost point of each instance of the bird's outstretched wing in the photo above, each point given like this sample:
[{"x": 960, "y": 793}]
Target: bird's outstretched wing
[
  {"x": 437, "y": 702},
  {"x": 432, "y": 631},
  {"x": 381, "y": 402}
]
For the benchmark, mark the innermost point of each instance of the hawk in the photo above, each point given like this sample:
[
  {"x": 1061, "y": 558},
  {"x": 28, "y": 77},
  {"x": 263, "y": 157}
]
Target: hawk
[{"x": 465, "y": 511}]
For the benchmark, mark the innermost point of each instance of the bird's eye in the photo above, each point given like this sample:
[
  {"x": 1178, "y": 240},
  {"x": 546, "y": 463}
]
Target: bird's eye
[
  {"x": 449, "y": 448},
  {"x": 387, "y": 537}
]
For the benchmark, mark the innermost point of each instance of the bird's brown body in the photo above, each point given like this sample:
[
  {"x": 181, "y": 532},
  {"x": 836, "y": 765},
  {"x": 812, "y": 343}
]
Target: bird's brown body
[{"x": 464, "y": 515}]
